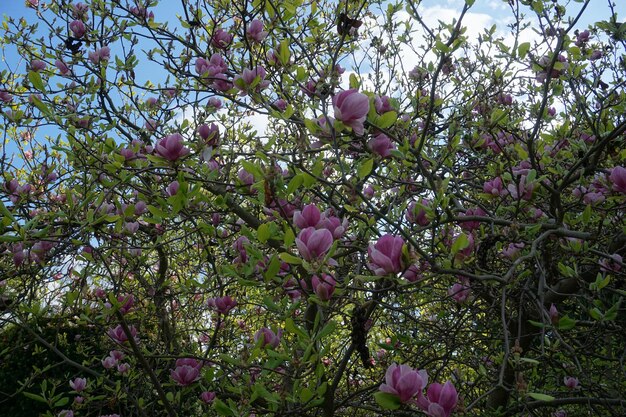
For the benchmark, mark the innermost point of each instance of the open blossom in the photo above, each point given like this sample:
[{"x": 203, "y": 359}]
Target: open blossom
[
  {"x": 252, "y": 80},
  {"x": 351, "y": 108},
  {"x": 460, "y": 291},
  {"x": 185, "y": 374},
  {"x": 404, "y": 381},
  {"x": 494, "y": 187},
  {"x": 255, "y": 32},
  {"x": 381, "y": 145},
  {"x": 221, "y": 39},
  {"x": 440, "y": 400},
  {"x": 310, "y": 216},
  {"x": 78, "y": 384},
  {"x": 5, "y": 96},
  {"x": 386, "y": 255},
  {"x": 102, "y": 54},
  {"x": 323, "y": 286},
  {"x": 118, "y": 335},
  {"x": 78, "y": 28},
  {"x": 222, "y": 304},
  {"x": 171, "y": 147},
  {"x": 313, "y": 244},
  {"x": 334, "y": 225},
  {"x": 268, "y": 337}
]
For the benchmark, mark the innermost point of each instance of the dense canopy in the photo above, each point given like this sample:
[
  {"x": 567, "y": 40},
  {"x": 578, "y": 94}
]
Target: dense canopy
[{"x": 313, "y": 208}]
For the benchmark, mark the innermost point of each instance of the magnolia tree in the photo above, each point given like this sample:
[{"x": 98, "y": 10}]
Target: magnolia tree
[{"x": 313, "y": 208}]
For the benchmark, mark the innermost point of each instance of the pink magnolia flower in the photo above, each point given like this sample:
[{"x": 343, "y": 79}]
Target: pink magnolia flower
[
  {"x": 222, "y": 304},
  {"x": 207, "y": 397},
  {"x": 171, "y": 147},
  {"x": 417, "y": 214},
  {"x": 310, "y": 216},
  {"x": 512, "y": 250},
  {"x": 472, "y": 224},
  {"x": 460, "y": 291},
  {"x": 252, "y": 80},
  {"x": 37, "y": 65},
  {"x": 255, "y": 32},
  {"x": 185, "y": 375},
  {"x": 612, "y": 263},
  {"x": 268, "y": 337},
  {"x": 351, "y": 108},
  {"x": 127, "y": 302},
  {"x": 494, "y": 187},
  {"x": 582, "y": 38},
  {"x": 280, "y": 104},
  {"x": 381, "y": 145},
  {"x": 62, "y": 67},
  {"x": 172, "y": 188},
  {"x": 122, "y": 368},
  {"x": 63, "y": 413},
  {"x": 313, "y": 244},
  {"x": 118, "y": 335},
  {"x": 221, "y": 39},
  {"x": 521, "y": 190},
  {"x": 404, "y": 381},
  {"x": 440, "y": 400},
  {"x": 78, "y": 28},
  {"x": 334, "y": 225},
  {"x": 78, "y": 384},
  {"x": 102, "y": 54},
  {"x": 210, "y": 134},
  {"x": 386, "y": 255},
  {"x": 323, "y": 287},
  {"x": 382, "y": 104},
  {"x": 79, "y": 10},
  {"x": 5, "y": 96},
  {"x": 554, "y": 314},
  {"x": 618, "y": 179},
  {"x": 570, "y": 382}
]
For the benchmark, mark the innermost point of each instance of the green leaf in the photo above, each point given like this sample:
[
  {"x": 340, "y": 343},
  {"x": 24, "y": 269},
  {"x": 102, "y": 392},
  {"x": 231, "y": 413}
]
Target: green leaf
[
  {"x": 365, "y": 168},
  {"x": 35, "y": 397},
  {"x": 540, "y": 397},
  {"x": 263, "y": 232},
  {"x": 222, "y": 409},
  {"x": 566, "y": 323},
  {"x": 387, "y": 401},
  {"x": 460, "y": 243},
  {"x": 330, "y": 327},
  {"x": 305, "y": 395},
  {"x": 537, "y": 324},
  {"x": 293, "y": 328},
  {"x": 284, "y": 54},
  {"x": 295, "y": 183},
  {"x": 5, "y": 211},
  {"x": 354, "y": 81},
  {"x": 35, "y": 79},
  {"x": 522, "y": 49},
  {"x": 63, "y": 401},
  {"x": 387, "y": 119},
  {"x": 290, "y": 259},
  {"x": 596, "y": 314}
]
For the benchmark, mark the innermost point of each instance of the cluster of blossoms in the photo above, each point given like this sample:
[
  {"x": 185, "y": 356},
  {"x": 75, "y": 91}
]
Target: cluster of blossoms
[
  {"x": 114, "y": 360},
  {"x": 318, "y": 231},
  {"x": 408, "y": 385}
]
